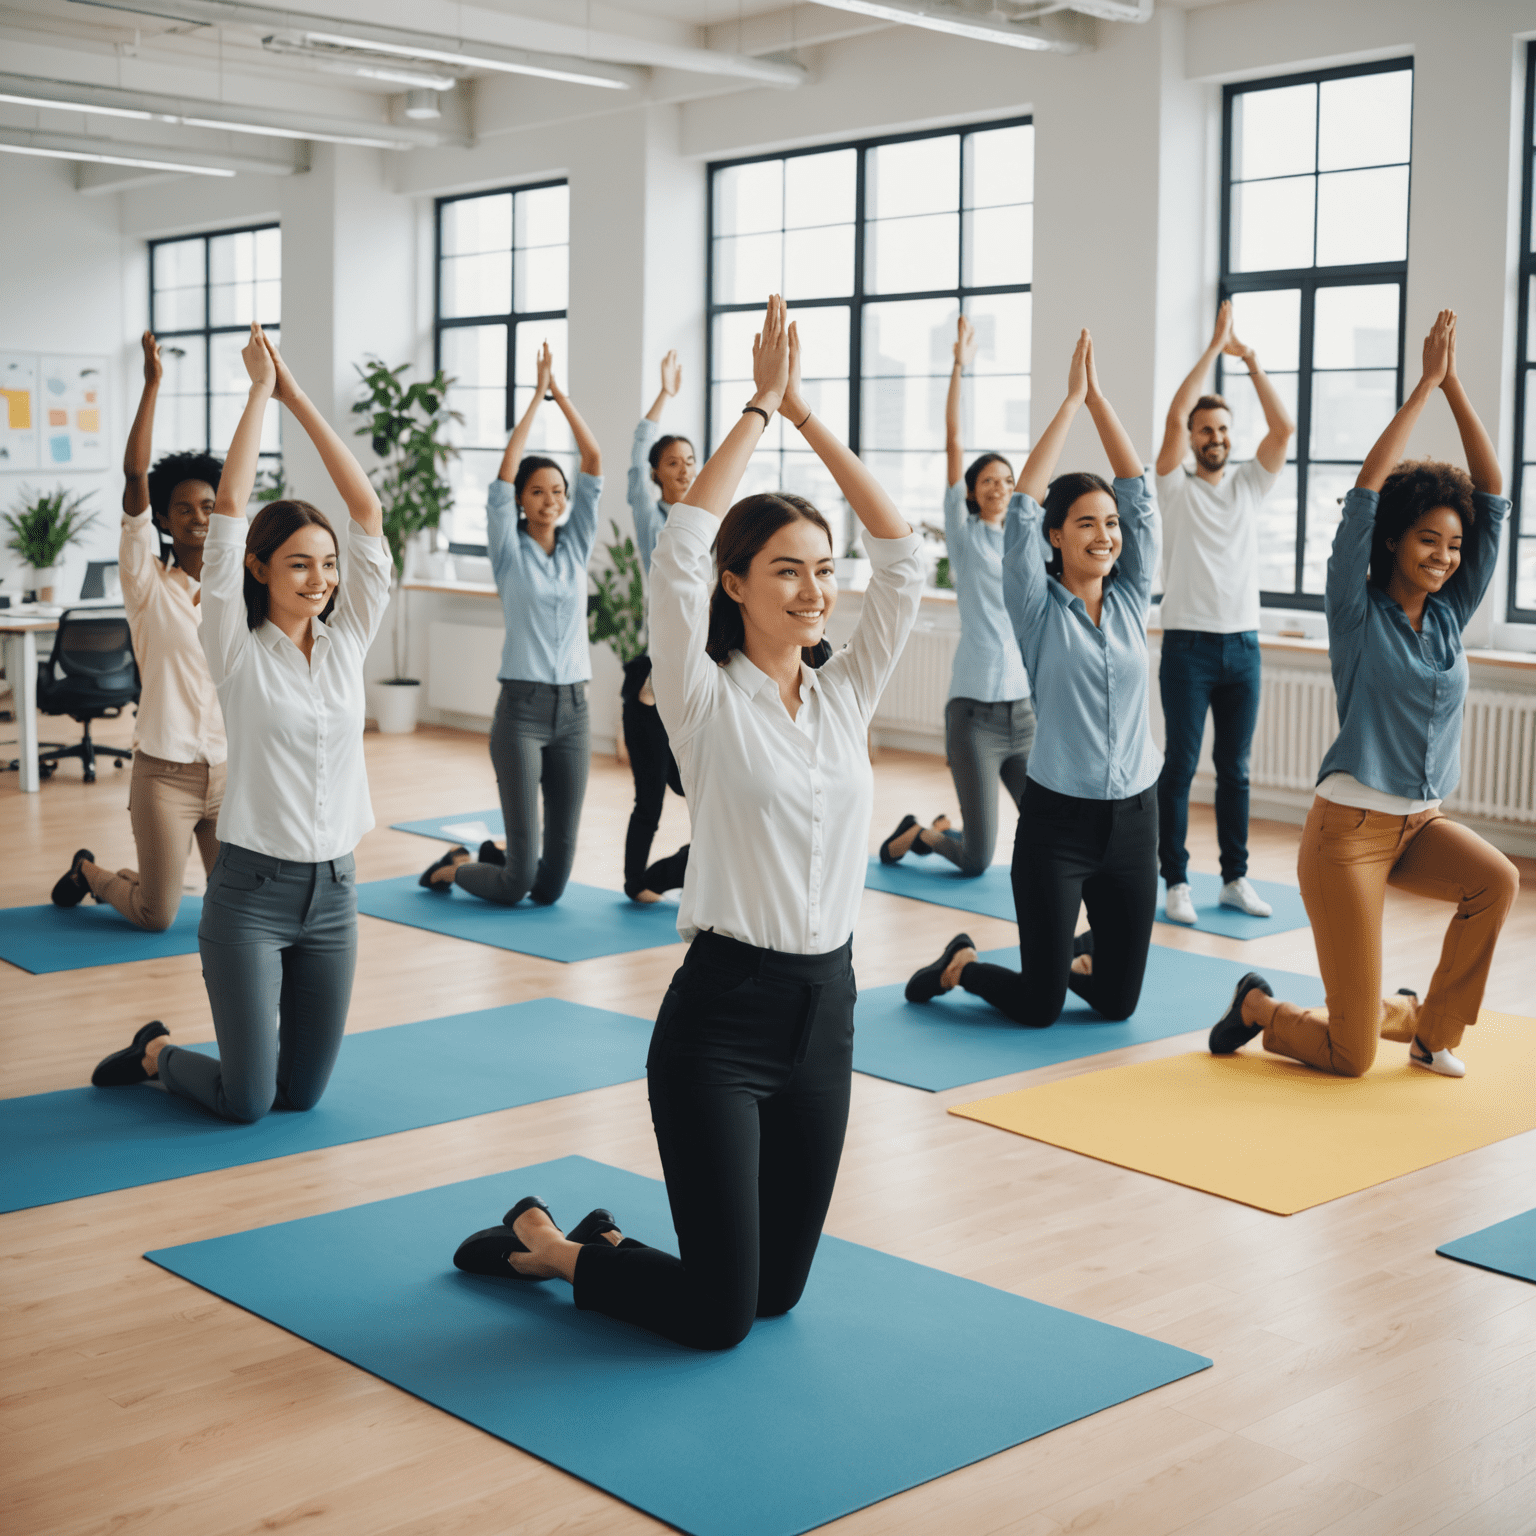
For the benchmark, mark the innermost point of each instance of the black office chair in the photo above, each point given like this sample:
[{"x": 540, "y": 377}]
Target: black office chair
[{"x": 91, "y": 675}]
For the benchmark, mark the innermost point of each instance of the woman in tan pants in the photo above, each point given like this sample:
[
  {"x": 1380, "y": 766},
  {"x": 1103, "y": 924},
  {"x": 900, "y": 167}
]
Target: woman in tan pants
[
  {"x": 1411, "y": 560},
  {"x": 179, "y": 750}
]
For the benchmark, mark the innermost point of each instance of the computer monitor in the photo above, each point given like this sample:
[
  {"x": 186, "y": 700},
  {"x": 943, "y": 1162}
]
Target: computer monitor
[{"x": 100, "y": 580}]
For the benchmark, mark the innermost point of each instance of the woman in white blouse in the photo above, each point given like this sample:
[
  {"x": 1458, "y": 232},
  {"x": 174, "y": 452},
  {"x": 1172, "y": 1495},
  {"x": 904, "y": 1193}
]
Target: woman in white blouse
[
  {"x": 285, "y": 633},
  {"x": 751, "y": 1059}
]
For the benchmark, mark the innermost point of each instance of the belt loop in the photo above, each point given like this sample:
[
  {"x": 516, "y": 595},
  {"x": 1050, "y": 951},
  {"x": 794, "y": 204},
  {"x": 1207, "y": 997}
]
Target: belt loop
[{"x": 813, "y": 1004}]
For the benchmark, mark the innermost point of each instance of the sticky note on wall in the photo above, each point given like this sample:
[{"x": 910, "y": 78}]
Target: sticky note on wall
[
  {"x": 57, "y": 418},
  {"x": 18, "y": 409},
  {"x": 88, "y": 421},
  {"x": 59, "y": 448}
]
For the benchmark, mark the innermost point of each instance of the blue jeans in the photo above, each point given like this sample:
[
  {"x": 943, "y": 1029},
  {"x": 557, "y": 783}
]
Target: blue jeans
[{"x": 1222, "y": 674}]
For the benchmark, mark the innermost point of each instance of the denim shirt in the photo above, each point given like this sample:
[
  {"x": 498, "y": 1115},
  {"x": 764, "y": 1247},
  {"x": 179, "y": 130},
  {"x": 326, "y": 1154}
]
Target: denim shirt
[
  {"x": 645, "y": 506},
  {"x": 543, "y": 597},
  {"x": 988, "y": 666},
  {"x": 1093, "y": 739},
  {"x": 1400, "y": 694}
]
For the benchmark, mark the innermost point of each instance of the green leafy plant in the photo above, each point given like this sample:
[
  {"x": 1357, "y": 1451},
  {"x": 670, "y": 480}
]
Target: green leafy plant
[
  {"x": 271, "y": 484},
  {"x": 616, "y": 610},
  {"x": 44, "y": 526},
  {"x": 943, "y": 577},
  {"x": 408, "y": 427}
]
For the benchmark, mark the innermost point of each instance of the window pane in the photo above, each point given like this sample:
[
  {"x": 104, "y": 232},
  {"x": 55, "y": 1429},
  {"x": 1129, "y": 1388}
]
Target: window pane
[
  {"x": 1525, "y": 574},
  {"x": 475, "y": 357},
  {"x": 999, "y": 246},
  {"x": 749, "y": 198},
  {"x": 1274, "y": 132},
  {"x": 1528, "y": 500},
  {"x": 531, "y": 335},
  {"x": 477, "y": 285},
  {"x": 1349, "y": 412},
  {"x": 823, "y": 343},
  {"x": 269, "y": 255},
  {"x": 1365, "y": 120},
  {"x": 1530, "y": 327},
  {"x": 470, "y": 475},
  {"x": 1326, "y": 489},
  {"x": 726, "y": 401},
  {"x": 911, "y": 255},
  {"x": 1270, "y": 323},
  {"x": 544, "y": 216},
  {"x": 1277, "y": 535},
  {"x": 829, "y": 399},
  {"x": 819, "y": 189},
  {"x": 1528, "y": 441},
  {"x": 1000, "y": 166},
  {"x": 181, "y": 423},
  {"x": 540, "y": 280},
  {"x": 232, "y": 258},
  {"x": 916, "y": 483},
  {"x": 920, "y": 176},
  {"x": 1356, "y": 327},
  {"x": 1362, "y": 216},
  {"x": 803, "y": 474},
  {"x": 908, "y": 353},
  {"x": 731, "y": 352},
  {"x": 475, "y": 224},
  {"x": 178, "y": 277},
  {"x": 1272, "y": 225},
  {"x": 229, "y": 387},
  {"x": 818, "y": 263},
  {"x": 748, "y": 268},
  {"x": 179, "y": 264},
  {"x": 998, "y": 419},
  {"x": 1248, "y": 424},
  {"x": 1002, "y": 322}
]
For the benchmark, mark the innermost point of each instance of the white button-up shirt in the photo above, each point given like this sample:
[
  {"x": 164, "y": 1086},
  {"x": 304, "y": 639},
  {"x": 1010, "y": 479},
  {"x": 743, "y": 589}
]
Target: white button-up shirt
[
  {"x": 780, "y": 808},
  {"x": 297, "y": 786},
  {"x": 179, "y": 719}
]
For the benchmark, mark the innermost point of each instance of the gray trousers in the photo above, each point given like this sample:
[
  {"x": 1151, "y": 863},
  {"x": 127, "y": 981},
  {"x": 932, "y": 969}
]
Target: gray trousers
[
  {"x": 984, "y": 743},
  {"x": 541, "y": 740},
  {"x": 279, "y": 946}
]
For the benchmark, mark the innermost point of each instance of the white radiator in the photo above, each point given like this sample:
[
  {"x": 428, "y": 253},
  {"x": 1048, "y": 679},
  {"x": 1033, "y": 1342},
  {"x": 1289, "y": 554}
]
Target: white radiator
[{"x": 915, "y": 696}]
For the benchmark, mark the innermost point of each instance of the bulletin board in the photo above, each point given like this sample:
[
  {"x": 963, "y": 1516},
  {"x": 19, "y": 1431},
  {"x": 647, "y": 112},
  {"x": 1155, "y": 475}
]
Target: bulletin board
[{"x": 53, "y": 412}]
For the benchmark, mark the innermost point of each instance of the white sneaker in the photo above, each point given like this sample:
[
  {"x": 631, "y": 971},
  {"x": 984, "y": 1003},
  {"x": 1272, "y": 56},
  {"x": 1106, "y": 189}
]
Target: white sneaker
[
  {"x": 1240, "y": 894},
  {"x": 1442, "y": 1062},
  {"x": 1180, "y": 905}
]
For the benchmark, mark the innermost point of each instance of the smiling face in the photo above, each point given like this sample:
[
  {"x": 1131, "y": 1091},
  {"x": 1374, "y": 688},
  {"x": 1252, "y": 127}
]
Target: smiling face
[
  {"x": 1427, "y": 555},
  {"x": 300, "y": 578},
  {"x": 1089, "y": 540},
  {"x": 675, "y": 470},
  {"x": 789, "y": 591},
  {"x": 186, "y": 517},
  {"x": 994, "y": 485},
  {"x": 1210, "y": 435},
  {"x": 543, "y": 500}
]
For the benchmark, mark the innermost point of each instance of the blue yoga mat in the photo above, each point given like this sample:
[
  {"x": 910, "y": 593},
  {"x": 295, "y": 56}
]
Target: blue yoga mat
[
  {"x": 887, "y": 1374},
  {"x": 1507, "y": 1248},
  {"x": 48, "y": 938},
  {"x": 471, "y": 828},
  {"x": 585, "y": 923},
  {"x": 85, "y": 1141},
  {"x": 990, "y": 894},
  {"x": 959, "y": 1039}
]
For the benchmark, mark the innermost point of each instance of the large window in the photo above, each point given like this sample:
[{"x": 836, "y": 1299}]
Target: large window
[
  {"x": 1315, "y": 261},
  {"x": 502, "y": 278},
  {"x": 878, "y": 247},
  {"x": 204, "y": 291},
  {"x": 1522, "y": 554}
]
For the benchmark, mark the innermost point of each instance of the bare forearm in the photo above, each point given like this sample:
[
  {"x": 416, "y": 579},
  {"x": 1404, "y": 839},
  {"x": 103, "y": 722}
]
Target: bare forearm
[
  {"x": 586, "y": 444},
  {"x": 1276, "y": 418},
  {"x": 352, "y": 485},
  {"x": 715, "y": 488},
  {"x": 519, "y": 439},
  {"x": 871, "y": 504},
  {"x": 953, "y": 449},
  {"x": 1041, "y": 463},
  {"x": 137, "y": 454},
  {"x": 1194, "y": 384},
  {"x": 658, "y": 405},
  {"x": 239, "y": 474},
  {"x": 1482, "y": 459},
  {"x": 1392, "y": 445},
  {"x": 1118, "y": 447}
]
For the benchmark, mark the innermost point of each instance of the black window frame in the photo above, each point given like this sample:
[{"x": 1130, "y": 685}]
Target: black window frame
[
  {"x": 1308, "y": 280},
  {"x": 1513, "y": 613},
  {"x": 271, "y": 462},
  {"x": 511, "y": 319},
  {"x": 856, "y": 299}
]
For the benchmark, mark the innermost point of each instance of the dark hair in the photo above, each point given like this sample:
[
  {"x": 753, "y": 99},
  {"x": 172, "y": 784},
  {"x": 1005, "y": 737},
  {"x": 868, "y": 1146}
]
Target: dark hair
[
  {"x": 270, "y": 529},
  {"x": 661, "y": 445},
  {"x": 1060, "y": 497},
  {"x": 173, "y": 470},
  {"x": 1206, "y": 403},
  {"x": 744, "y": 530},
  {"x": 1415, "y": 487},
  {"x": 973, "y": 474},
  {"x": 530, "y": 466}
]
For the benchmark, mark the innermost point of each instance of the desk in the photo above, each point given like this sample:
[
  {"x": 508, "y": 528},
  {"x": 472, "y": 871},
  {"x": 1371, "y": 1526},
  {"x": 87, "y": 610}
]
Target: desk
[{"x": 20, "y": 635}]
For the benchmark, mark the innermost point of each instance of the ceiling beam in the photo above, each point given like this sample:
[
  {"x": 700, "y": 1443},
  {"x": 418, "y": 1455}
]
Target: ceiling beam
[
  {"x": 154, "y": 157},
  {"x": 1049, "y": 28}
]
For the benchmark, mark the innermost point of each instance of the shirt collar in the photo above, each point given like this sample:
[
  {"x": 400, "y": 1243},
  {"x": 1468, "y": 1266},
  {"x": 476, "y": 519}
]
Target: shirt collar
[
  {"x": 752, "y": 681},
  {"x": 274, "y": 639}
]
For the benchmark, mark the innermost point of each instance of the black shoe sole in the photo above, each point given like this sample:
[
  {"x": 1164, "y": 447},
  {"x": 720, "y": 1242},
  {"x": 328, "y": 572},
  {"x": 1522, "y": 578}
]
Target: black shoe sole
[
  {"x": 446, "y": 862},
  {"x": 124, "y": 1068},
  {"x": 70, "y": 889},
  {"x": 925, "y": 985},
  {"x": 1229, "y": 1032}
]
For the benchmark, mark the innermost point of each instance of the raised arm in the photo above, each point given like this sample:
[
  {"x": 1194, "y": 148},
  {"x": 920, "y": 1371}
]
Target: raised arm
[
  {"x": 1278, "y": 426},
  {"x": 1124, "y": 461},
  {"x": 1041, "y": 463},
  {"x": 965, "y": 351},
  {"x": 1482, "y": 458},
  {"x": 671, "y": 380},
  {"x": 1176, "y": 432},
  {"x": 518, "y": 442},
  {"x": 239, "y": 475},
  {"x": 1392, "y": 445},
  {"x": 352, "y": 485},
  {"x": 586, "y": 444},
  {"x": 141, "y": 434}
]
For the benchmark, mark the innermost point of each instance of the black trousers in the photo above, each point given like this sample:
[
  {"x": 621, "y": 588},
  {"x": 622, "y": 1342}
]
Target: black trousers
[
  {"x": 1102, "y": 853},
  {"x": 749, "y": 1074},
  {"x": 655, "y": 769}
]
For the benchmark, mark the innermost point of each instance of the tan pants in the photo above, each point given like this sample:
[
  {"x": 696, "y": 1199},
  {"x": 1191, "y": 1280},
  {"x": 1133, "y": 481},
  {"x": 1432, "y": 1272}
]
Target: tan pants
[
  {"x": 1348, "y": 859},
  {"x": 169, "y": 804}
]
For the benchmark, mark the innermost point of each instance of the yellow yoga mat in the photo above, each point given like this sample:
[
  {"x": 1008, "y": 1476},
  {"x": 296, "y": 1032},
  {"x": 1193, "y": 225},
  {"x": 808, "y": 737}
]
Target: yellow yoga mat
[{"x": 1271, "y": 1133}]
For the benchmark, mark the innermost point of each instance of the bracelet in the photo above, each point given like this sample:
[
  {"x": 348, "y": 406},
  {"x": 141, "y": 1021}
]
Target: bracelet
[
  {"x": 800, "y": 424},
  {"x": 760, "y": 411}
]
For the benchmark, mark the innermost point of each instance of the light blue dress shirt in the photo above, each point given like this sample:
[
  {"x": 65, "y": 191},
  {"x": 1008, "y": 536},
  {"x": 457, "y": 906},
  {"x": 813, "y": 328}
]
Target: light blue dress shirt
[
  {"x": 988, "y": 666},
  {"x": 543, "y": 597},
  {"x": 646, "y": 507},
  {"x": 1400, "y": 694},
  {"x": 1092, "y": 735}
]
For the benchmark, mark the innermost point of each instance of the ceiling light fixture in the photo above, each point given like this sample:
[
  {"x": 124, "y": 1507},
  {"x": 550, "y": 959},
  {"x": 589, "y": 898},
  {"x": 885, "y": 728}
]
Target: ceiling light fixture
[
  {"x": 410, "y": 78},
  {"x": 464, "y": 59},
  {"x": 941, "y": 20},
  {"x": 422, "y": 105},
  {"x": 78, "y": 154},
  {"x": 69, "y": 106}
]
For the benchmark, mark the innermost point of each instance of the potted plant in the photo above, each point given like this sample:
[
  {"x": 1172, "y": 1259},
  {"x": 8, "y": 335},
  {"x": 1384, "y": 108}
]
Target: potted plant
[
  {"x": 616, "y": 606},
  {"x": 407, "y": 425},
  {"x": 43, "y": 527}
]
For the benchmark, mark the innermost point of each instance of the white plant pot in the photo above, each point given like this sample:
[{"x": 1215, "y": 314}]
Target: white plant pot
[
  {"x": 44, "y": 581},
  {"x": 394, "y": 705}
]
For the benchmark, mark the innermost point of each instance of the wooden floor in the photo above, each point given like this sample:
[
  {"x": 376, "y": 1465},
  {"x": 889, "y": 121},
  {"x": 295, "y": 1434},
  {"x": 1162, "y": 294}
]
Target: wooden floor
[{"x": 1362, "y": 1386}]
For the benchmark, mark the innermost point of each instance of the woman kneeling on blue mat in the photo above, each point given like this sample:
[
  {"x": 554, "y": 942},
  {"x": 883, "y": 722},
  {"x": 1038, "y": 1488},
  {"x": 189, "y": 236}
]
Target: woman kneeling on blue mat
[{"x": 751, "y": 1060}]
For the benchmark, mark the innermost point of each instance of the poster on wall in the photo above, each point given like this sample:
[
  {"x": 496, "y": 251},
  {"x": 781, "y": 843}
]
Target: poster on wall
[
  {"x": 72, "y": 398},
  {"x": 18, "y": 410}
]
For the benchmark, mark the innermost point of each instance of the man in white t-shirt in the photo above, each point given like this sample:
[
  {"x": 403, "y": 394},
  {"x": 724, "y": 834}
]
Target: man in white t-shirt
[{"x": 1210, "y": 615}]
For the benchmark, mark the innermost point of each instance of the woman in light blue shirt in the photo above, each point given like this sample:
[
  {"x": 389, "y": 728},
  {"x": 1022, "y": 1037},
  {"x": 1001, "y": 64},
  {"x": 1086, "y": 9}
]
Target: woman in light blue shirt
[
  {"x": 1088, "y": 825},
  {"x": 989, "y": 724},
  {"x": 540, "y": 737}
]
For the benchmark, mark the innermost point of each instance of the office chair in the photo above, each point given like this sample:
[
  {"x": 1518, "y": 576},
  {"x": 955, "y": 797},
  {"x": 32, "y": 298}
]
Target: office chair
[{"x": 91, "y": 675}]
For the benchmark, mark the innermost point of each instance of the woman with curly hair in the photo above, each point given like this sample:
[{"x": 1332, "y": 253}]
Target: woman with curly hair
[
  {"x": 178, "y": 738},
  {"x": 1411, "y": 560}
]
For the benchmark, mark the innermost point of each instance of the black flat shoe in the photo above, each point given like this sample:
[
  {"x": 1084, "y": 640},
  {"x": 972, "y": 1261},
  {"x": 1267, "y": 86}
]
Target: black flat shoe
[
  {"x": 485, "y": 1252},
  {"x": 925, "y": 985},
  {"x": 591, "y": 1227},
  {"x": 1229, "y": 1032},
  {"x": 919, "y": 847},
  {"x": 491, "y": 854},
  {"x": 1083, "y": 943},
  {"x": 126, "y": 1066},
  {"x": 70, "y": 889},
  {"x": 446, "y": 862},
  {"x": 886, "y": 856}
]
